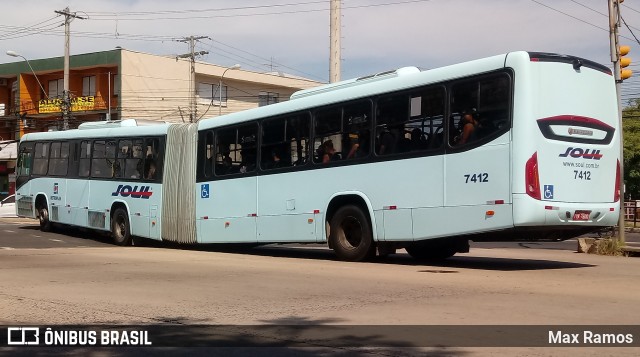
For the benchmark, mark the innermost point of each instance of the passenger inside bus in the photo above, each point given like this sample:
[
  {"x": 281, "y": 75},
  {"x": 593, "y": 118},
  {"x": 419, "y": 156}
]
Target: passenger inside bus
[
  {"x": 470, "y": 127},
  {"x": 359, "y": 145},
  {"x": 386, "y": 141},
  {"x": 327, "y": 152},
  {"x": 150, "y": 168},
  {"x": 418, "y": 140}
]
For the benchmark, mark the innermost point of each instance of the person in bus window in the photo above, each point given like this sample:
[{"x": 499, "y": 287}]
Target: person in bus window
[
  {"x": 150, "y": 170},
  {"x": 470, "y": 127},
  {"x": 387, "y": 141},
  {"x": 418, "y": 141},
  {"x": 360, "y": 146},
  {"x": 328, "y": 152},
  {"x": 275, "y": 160}
]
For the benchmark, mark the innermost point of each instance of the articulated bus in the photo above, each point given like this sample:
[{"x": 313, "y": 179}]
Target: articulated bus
[{"x": 520, "y": 146}]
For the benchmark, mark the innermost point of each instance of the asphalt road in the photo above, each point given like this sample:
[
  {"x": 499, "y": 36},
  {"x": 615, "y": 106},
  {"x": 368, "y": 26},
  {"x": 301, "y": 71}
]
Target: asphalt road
[{"x": 51, "y": 278}]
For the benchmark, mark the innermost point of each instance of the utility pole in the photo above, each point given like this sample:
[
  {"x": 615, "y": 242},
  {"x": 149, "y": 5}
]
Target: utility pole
[
  {"x": 193, "y": 106},
  {"x": 614, "y": 24},
  {"x": 334, "y": 48},
  {"x": 66, "y": 100}
]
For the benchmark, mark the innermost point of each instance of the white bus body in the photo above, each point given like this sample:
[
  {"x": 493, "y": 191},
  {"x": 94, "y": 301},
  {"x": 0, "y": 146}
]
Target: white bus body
[
  {"x": 56, "y": 190},
  {"x": 376, "y": 163}
]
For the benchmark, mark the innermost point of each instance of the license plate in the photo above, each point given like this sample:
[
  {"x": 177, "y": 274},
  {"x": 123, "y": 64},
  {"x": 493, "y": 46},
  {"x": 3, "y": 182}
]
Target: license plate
[{"x": 581, "y": 215}]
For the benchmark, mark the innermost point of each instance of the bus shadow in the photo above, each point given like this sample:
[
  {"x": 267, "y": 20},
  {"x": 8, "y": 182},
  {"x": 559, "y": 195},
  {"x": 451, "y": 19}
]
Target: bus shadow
[
  {"x": 321, "y": 252},
  {"x": 316, "y": 252}
]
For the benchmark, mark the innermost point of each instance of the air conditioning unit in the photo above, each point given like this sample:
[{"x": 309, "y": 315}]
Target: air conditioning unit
[{"x": 3, "y": 82}]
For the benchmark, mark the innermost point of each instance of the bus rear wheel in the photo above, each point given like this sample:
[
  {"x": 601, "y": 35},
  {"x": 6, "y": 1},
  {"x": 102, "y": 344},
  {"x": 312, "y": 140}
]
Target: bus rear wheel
[
  {"x": 350, "y": 234},
  {"x": 120, "y": 228}
]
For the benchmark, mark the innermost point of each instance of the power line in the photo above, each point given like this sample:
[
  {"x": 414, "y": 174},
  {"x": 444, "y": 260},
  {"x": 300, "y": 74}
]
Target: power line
[
  {"x": 138, "y": 13},
  {"x": 257, "y": 14},
  {"x": 33, "y": 27},
  {"x": 574, "y": 17}
]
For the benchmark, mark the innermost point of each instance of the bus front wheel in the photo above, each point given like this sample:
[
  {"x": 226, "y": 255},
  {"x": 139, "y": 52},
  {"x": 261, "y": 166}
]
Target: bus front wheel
[
  {"x": 43, "y": 216},
  {"x": 120, "y": 228},
  {"x": 350, "y": 234}
]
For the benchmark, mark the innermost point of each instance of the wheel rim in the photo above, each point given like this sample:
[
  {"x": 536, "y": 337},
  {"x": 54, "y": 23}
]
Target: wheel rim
[
  {"x": 44, "y": 216},
  {"x": 350, "y": 233},
  {"x": 120, "y": 227}
]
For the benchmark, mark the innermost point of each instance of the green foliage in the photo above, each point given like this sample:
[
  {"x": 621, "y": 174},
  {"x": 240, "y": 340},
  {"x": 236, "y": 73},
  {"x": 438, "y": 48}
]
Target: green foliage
[{"x": 631, "y": 132}]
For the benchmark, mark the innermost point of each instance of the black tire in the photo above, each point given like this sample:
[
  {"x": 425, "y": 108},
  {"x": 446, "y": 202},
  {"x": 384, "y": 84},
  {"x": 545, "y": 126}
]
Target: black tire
[
  {"x": 120, "y": 228},
  {"x": 350, "y": 234},
  {"x": 43, "y": 216},
  {"x": 436, "y": 250}
]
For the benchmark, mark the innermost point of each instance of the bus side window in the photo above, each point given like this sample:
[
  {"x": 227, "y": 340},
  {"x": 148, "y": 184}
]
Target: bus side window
[
  {"x": 357, "y": 128},
  {"x": 132, "y": 159},
  {"x": 84, "y": 163},
  {"x": 481, "y": 104},
  {"x": 391, "y": 115},
  {"x": 284, "y": 142},
  {"x": 59, "y": 159},
  {"x": 209, "y": 154},
  {"x": 41, "y": 159},
  {"x": 328, "y": 135},
  {"x": 103, "y": 162},
  {"x": 153, "y": 159},
  {"x": 237, "y": 150},
  {"x": 426, "y": 124}
]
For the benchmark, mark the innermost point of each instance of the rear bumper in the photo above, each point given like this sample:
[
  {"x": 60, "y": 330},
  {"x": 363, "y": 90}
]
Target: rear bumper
[{"x": 530, "y": 212}]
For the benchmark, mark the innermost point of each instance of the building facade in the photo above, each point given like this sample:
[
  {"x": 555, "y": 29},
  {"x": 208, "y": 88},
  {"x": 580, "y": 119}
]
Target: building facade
[{"x": 127, "y": 84}]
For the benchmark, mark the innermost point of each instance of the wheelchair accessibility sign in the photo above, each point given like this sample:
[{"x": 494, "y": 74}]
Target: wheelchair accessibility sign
[
  {"x": 548, "y": 192},
  {"x": 204, "y": 190}
]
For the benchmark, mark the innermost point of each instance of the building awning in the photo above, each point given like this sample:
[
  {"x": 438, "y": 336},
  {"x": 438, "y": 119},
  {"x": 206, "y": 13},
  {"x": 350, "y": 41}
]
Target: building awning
[{"x": 8, "y": 150}]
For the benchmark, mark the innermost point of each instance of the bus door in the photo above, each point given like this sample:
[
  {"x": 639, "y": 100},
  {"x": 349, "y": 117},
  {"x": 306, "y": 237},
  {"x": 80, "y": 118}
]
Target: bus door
[
  {"x": 286, "y": 212},
  {"x": 24, "y": 199},
  {"x": 477, "y": 164},
  {"x": 57, "y": 192},
  {"x": 78, "y": 198},
  {"x": 227, "y": 207}
]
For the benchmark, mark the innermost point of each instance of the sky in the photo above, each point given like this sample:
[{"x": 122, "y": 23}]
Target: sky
[{"x": 292, "y": 36}]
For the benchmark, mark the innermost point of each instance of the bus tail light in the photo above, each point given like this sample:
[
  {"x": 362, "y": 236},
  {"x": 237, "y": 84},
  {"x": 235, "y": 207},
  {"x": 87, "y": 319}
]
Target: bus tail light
[
  {"x": 532, "y": 181},
  {"x": 616, "y": 192}
]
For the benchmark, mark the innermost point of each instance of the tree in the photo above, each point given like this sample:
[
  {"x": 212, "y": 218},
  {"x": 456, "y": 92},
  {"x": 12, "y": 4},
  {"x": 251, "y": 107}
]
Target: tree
[{"x": 631, "y": 132}]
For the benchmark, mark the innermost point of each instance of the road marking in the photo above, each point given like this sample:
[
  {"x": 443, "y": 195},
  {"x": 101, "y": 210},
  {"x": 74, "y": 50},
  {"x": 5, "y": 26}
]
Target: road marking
[
  {"x": 7, "y": 248},
  {"x": 55, "y": 240},
  {"x": 8, "y": 231},
  {"x": 35, "y": 235}
]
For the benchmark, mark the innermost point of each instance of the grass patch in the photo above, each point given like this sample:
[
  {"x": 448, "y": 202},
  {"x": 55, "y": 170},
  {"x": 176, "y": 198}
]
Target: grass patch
[{"x": 610, "y": 246}]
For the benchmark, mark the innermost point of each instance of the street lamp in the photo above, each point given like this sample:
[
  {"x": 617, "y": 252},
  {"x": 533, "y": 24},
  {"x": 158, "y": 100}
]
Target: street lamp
[
  {"x": 15, "y": 54},
  {"x": 235, "y": 66}
]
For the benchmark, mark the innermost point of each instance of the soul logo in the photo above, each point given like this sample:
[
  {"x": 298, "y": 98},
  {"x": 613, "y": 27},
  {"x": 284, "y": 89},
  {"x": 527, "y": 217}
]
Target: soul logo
[
  {"x": 588, "y": 154},
  {"x": 126, "y": 191}
]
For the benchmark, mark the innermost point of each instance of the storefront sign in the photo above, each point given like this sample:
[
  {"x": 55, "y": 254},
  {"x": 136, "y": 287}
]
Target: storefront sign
[{"x": 77, "y": 104}]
